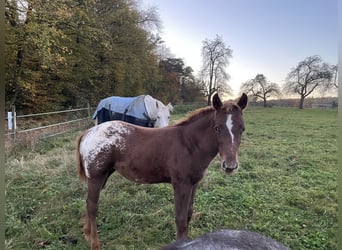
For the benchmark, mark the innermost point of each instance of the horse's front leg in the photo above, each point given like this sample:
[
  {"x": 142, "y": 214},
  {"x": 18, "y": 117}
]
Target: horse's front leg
[
  {"x": 191, "y": 203},
  {"x": 182, "y": 197}
]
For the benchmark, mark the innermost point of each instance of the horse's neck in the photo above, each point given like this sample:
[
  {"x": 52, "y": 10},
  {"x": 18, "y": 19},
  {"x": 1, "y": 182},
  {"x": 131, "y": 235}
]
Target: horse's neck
[
  {"x": 201, "y": 131},
  {"x": 151, "y": 107}
]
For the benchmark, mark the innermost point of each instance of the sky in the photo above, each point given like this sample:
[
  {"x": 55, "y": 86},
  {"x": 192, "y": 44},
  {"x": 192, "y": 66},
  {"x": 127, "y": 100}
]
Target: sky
[{"x": 267, "y": 37}]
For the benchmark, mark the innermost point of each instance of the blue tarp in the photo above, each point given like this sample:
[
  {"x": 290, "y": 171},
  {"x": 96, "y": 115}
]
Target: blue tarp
[{"x": 131, "y": 109}]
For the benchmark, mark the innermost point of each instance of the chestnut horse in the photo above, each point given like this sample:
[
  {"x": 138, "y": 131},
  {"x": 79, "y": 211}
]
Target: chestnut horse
[{"x": 178, "y": 154}]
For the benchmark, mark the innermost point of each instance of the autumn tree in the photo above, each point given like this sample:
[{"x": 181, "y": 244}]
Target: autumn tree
[
  {"x": 33, "y": 49},
  {"x": 87, "y": 74},
  {"x": 215, "y": 58},
  {"x": 68, "y": 52},
  {"x": 260, "y": 88},
  {"x": 309, "y": 75},
  {"x": 51, "y": 51},
  {"x": 191, "y": 90},
  {"x": 176, "y": 82}
]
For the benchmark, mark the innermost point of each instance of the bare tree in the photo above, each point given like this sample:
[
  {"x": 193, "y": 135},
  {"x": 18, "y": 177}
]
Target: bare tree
[
  {"x": 260, "y": 88},
  {"x": 334, "y": 78},
  {"x": 215, "y": 57},
  {"x": 309, "y": 75},
  {"x": 150, "y": 19}
]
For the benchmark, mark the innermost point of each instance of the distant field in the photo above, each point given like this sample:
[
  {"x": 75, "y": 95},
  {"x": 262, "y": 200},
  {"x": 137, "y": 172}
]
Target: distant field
[{"x": 285, "y": 189}]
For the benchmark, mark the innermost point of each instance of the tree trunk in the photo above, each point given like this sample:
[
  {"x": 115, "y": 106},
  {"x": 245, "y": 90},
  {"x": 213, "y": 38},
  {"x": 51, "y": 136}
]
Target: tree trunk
[
  {"x": 211, "y": 75},
  {"x": 301, "y": 102}
]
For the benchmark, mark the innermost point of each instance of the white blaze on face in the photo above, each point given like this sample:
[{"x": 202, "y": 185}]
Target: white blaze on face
[
  {"x": 229, "y": 124},
  {"x": 101, "y": 138}
]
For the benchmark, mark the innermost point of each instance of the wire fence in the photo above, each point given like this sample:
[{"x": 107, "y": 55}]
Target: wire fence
[
  {"x": 26, "y": 130},
  {"x": 12, "y": 119}
]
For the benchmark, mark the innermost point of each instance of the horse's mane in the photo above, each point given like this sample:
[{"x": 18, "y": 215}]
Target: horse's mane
[
  {"x": 194, "y": 115},
  {"x": 202, "y": 111}
]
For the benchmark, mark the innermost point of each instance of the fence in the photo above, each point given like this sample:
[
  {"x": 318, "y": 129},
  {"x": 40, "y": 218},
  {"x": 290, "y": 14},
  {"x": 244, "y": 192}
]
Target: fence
[{"x": 26, "y": 130}]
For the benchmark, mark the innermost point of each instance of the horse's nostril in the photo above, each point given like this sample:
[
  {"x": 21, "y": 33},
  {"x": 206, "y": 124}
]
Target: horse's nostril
[
  {"x": 229, "y": 168},
  {"x": 223, "y": 165}
]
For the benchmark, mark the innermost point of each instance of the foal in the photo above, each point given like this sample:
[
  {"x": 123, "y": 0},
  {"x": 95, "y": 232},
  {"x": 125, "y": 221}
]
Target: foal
[{"x": 178, "y": 154}]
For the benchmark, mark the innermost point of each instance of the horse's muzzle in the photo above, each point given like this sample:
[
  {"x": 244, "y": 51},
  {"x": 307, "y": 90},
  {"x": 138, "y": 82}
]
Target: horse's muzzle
[{"x": 229, "y": 168}]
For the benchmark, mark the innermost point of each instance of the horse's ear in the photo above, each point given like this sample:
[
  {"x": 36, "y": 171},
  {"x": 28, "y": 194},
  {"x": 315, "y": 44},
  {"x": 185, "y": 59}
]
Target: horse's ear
[
  {"x": 217, "y": 103},
  {"x": 170, "y": 107},
  {"x": 242, "y": 103}
]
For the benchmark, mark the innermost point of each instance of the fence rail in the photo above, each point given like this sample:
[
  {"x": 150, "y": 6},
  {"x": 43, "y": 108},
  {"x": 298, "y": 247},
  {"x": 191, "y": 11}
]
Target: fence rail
[
  {"x": 47, "y": 126},
  {"x": 55, "y": 123},
  {"x": 12, "y": 119},
  {"x": 51, "y": 113}
]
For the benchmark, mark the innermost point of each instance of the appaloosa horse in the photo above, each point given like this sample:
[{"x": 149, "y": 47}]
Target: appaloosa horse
[{"x": 178, "y": 154}]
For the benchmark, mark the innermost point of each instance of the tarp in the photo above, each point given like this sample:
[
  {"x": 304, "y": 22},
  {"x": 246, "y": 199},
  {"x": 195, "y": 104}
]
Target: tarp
[{"x": 123, "y": 108}]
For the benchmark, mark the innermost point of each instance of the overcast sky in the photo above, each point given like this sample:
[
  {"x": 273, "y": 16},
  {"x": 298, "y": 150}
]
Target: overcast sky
[{"x": 267, "y": 36}]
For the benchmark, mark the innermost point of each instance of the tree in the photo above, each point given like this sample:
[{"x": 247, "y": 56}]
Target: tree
[
  {"x": 309, "y": 75},
  {"x": 215, "y": 57},
  {"x": 176, "y": 83},
  {"x": 334, "y": 78},
  {"x": 191, "y": 90},
  {"x": 260, "y": 88},
  {"x": 131, "y": 48},
  {"x": 69, "y": 52},
  {"x": 33, "y": 52}
]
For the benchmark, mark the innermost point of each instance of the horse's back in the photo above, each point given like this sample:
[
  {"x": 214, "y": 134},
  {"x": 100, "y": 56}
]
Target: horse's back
[
  {"x": 101, "y": 143},
  {"x": 135, "y": 110},
  {"x": 116, "y": 103},
  {"x": 140, "y": 154}
]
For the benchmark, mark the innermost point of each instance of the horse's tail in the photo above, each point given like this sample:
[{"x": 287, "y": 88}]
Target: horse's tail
[{"x": 80, "y": 167}]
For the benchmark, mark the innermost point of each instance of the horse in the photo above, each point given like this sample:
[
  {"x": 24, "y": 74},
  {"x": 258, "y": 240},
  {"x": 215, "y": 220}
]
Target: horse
[
  {"x": 226, "y": 239},
  {"x": 179, "y": 154},
  {"x": 143, "y": 110}
]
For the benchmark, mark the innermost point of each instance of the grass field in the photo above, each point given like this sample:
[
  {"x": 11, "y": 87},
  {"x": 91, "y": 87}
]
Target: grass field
[{"x": 285, "y": 189}]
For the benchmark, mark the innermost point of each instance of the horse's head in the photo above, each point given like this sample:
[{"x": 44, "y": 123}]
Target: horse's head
[
  {"x": 158, "y": 112},
  {"x": 163, "y": 114},
  {"x": 228, "y": 128}
]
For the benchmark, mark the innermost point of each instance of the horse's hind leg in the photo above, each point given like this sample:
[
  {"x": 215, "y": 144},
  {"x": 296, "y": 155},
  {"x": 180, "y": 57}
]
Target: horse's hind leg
[{"x": 90, "y": 227}]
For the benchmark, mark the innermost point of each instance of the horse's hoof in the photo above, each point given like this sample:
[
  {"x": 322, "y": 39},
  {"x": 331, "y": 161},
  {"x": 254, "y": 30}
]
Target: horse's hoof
[{"x": 95, "y": 246}]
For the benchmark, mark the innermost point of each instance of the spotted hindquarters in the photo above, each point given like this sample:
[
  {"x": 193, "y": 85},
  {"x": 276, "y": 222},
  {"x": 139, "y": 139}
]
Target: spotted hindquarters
[{"x": 99, "y": 146}]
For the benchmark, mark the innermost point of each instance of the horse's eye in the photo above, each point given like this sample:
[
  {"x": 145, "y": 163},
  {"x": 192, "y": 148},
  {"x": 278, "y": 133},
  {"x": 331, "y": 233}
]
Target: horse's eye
[
  {"x": 242, "y": 129},
  {"x": 217, "y": 130}
]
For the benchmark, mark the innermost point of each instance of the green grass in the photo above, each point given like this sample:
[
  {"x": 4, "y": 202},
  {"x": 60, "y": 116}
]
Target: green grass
[{"x": 285, "y": 189}]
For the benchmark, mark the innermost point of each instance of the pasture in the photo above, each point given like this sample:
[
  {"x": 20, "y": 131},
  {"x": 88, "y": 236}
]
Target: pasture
[{"x": 284, "y": 189}]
